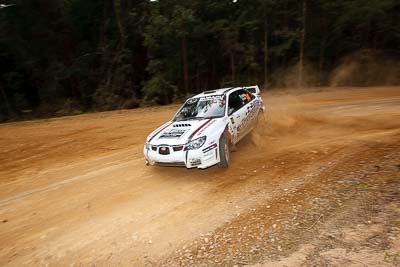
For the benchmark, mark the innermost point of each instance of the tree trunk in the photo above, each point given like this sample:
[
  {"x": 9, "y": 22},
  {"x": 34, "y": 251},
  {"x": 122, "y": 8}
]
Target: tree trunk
[
  {"x": 7, "y": 104},
  {"x": 302, "y": 41},
  {"x": 185, "y": 64},
  {"x": 214, "y": 81},
  {"x": 198, "y": 79},
  {"x": 118, "y": 17},
  {"x": 322, "y": 60},
  {"x": 266, "y": 54},
  {"x": 233, "y": 67},
  {"x": 102, "y": 28},
  {"x": 322, "y": 48}
]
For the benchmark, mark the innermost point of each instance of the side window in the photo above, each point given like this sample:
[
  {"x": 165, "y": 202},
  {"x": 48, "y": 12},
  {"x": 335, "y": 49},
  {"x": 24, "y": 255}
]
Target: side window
[
  {"x": 238, "y": 99},
  {"x": 250, "y": 95},
  {"x": 245, "y": 96},
  {"x": 235, "y": 102}
]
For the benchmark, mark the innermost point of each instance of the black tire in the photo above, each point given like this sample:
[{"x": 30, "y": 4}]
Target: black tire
[{"x": 223, "y": 152}]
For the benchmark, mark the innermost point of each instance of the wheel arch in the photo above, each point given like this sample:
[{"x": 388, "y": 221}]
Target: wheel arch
[{"x": 227, "y": 134}]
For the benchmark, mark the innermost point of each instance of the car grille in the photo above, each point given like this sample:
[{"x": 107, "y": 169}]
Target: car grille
[
  {"x": 166, "y": 150},
  {"x": 177, "y": 148},
  {"x": 163, "y": 150}
]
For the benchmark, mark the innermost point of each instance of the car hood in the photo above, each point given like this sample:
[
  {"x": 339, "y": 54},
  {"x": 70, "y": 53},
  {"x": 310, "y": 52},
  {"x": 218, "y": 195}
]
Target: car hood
[{"x": 180, "y": 132}]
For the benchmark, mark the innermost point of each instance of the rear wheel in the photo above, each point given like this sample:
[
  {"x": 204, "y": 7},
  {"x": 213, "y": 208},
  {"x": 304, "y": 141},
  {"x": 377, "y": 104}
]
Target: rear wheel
[{"x": 223, "y": 152}]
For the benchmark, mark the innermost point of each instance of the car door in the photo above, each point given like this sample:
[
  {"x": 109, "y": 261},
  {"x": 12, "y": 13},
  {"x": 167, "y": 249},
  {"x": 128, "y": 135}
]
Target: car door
[
  {"x": 237, "y": 115},
  {"x": 252, "y": 109},
  {"x": 249, "y": 112}
]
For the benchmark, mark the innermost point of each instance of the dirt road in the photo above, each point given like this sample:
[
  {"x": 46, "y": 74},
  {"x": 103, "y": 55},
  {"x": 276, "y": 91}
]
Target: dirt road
[{"x": 316, "y": 184}]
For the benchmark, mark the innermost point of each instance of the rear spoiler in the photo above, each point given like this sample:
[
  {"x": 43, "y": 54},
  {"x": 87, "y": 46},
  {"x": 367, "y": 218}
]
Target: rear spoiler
[{"x": 254, "y": 89}]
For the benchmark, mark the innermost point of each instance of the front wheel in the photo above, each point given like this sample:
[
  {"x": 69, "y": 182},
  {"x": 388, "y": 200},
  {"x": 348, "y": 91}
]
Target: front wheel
[{"x": 223, "y": 152}]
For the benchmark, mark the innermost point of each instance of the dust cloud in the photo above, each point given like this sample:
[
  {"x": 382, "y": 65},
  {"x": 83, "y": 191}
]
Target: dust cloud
[
  {"x": 363, "y": 68},
  {"x": 288, "y": 123},
  {"x": 289, "y": 77},
  {"x": 366, "y": 68}
]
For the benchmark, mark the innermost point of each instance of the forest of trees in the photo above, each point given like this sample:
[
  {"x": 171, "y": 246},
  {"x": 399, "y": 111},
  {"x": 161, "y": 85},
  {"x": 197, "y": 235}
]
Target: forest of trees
[{"x": 70, "y": 56}]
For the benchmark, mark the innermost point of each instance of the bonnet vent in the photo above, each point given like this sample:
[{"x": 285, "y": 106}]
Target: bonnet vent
[{"x": 182, "y": 125}]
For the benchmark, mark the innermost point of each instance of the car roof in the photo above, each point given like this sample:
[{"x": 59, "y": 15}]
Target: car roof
[{"x": 217, "y": 92}]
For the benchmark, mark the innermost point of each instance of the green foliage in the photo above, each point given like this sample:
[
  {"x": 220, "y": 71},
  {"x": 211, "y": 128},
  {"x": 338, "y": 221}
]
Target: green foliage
[{"x": 158, "y": 90}]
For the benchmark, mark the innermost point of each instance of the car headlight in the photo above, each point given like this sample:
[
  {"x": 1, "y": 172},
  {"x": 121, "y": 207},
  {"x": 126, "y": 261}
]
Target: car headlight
[{"x": 196, "y": 143}]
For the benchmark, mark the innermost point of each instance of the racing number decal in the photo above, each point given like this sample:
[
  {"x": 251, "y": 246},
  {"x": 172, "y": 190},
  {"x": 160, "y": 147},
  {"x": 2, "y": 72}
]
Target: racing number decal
[{"x": 251, "y": 113}]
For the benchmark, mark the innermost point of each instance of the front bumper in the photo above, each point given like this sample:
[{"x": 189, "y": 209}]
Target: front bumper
[{"x": 201, "y": 158}]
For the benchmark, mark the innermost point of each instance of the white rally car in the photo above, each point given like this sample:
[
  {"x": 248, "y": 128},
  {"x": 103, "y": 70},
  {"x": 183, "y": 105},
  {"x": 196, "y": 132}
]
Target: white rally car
[{"x": 205, "y": 128}]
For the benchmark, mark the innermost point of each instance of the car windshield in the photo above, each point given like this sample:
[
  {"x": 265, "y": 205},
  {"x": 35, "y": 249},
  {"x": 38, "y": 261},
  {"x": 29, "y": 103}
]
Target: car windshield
[{"x": 202, "y": 107}]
